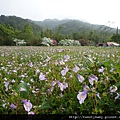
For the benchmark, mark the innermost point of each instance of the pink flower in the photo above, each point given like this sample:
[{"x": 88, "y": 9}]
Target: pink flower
[
  {"x": 42, "y": 76},
  {"x": 92, "y": 79},
  {"x": 61, "y": 62},
  {"x": 76, "y": 69},
  {"x": 113, "y": 89},
  {"x": 48, "y": 59},
  {"x": 101, "y": 70},
  {"x": 98, "y": 95},
  {"x": 63, "y": 72},
  {"x": 12, "y": 106},
  {"x": 31, "y": 113},
  {"x": 82, "y": 96},
  {"x": 80, "y": 78},
  {"x": 6, "y": 85},
  {"x": 22, "y": 89},
  {"x": 86, "y": 88},
  {"x": 62, "y": 86},
  {"x": 54, "y": 83},
  {"x": 27, "y": 105},
  {"x": 55, "y": 42},
  {"x": 31, "y": 65},
  {"x": 67, "y": 57},
  {"x": 118, "y": 95}
]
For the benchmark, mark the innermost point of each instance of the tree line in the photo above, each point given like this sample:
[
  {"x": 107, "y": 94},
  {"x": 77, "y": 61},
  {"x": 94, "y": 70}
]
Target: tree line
[{"x": 32, "y": 34}]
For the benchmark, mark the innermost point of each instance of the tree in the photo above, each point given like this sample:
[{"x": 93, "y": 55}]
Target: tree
[
  {"x": 75, "y": 35},
  {"x": 116, "y": 38},
  {"x": 26, "y": 33},
  {"x": 35, "y": 41},
  {"x": 6, "y": 35}
]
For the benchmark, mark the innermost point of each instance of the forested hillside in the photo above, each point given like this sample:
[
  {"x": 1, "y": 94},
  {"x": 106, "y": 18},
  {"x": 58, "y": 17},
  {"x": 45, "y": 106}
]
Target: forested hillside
[
  {"x": 32, "y": 32},
  {"x": 69, "y": 24},
  {"x": 18, "y": 23}
]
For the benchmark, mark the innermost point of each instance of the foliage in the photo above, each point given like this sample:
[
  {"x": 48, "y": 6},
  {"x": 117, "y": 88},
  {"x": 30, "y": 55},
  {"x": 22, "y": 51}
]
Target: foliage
[
  {"x": 35, "y": 41},
  {"x": 6, "y": 35},
  {"x": 59, "y": 80},
  {"x": 116, "y": 38},
  {"x": 33, "y": 31},
  {"x": 18, "y": 23},
  {"x": 84, "y": 42}
]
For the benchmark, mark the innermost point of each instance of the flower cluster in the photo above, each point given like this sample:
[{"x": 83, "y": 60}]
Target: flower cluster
[
  {"x": 53, "y": 80},
  {"x": 47, "y": 41},
  {"x": 69, "y": 42}
]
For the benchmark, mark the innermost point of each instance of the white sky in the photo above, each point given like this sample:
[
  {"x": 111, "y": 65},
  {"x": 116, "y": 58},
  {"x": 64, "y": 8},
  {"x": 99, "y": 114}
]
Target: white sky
[{"x": 92, "y": 11}]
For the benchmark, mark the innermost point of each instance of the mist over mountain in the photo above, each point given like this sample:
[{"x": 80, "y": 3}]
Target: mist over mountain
[
  {"x": 72, "y": 25},
  {"x": 66, "y": 26}
]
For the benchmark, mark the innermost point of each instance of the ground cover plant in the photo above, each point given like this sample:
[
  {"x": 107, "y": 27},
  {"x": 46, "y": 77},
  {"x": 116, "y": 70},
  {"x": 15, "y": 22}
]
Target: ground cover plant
[{"x": 59, "y": 80}]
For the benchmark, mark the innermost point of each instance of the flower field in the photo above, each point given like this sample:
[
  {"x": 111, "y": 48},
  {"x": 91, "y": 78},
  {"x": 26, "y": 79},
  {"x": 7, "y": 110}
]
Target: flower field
[{"x": 59, "y": 80}]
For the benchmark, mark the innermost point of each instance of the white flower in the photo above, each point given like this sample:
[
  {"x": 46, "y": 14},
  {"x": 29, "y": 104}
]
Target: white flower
[
  {"x": 82, "y": 96},
  {"x": 37, "y": 71},
  {"x": 80, "y": 78},
  {"x": 98, "y": 95},
  {"x": 27, "y": 105},
  {"x": 48, "y": 59},
  {"x": 101, "y": 70},
  {"x": 118, "y": 95},
  {"x": 6, "y": 85},
  {"x": 54, "y": 83},
  {"x": 13, "y": 80},
  {"x": 22, "y": 89},
  {"x": 31, "y": 113},
  {"x": 92, "y": 79},
  {"x": 62, "y": 85},
  {"x": 31, "y": 65},
  {"x": 67, "y": 57},
  {"x": 63, "y": 72},
  {"x": 113, "y": 89},
  {"x": 12, "y": 106},
  {"x": 42, "y": 76},
  {"x": 61, "y": 62},
  {"x": 76, "y": 69}
]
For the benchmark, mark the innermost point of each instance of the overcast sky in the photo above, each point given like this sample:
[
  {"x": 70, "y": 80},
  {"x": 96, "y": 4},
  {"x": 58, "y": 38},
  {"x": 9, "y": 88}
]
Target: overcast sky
[{"x": 104, "y": 12}]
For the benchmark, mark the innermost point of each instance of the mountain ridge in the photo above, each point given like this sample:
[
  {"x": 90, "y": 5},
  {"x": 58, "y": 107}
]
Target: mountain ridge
[{"x": 67, "y": 25}]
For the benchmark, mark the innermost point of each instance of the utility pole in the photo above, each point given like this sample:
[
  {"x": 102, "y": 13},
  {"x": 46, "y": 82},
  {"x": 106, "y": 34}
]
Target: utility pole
[{"x": 117, "y": 31}]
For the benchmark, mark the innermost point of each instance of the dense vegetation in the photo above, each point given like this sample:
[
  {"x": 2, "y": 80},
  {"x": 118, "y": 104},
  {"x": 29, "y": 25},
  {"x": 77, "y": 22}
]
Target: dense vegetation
[
  {"x": 12, "y": 27},
  {"x": 59, "y": 80}
]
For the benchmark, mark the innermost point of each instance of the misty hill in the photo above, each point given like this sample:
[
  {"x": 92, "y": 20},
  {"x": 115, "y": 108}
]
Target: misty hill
[
  {"x": 69, "y": 25},
  {"x": 18, "y": 23},
  {"x": 66, "y": 26},
  {"x": 50, "y": 23}
]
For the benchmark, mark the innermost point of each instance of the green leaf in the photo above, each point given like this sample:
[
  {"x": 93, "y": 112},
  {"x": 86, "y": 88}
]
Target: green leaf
[
  {"x": 117, "y": 84},
  {"x": 23, "y": 89},
  {"x": 45, "y": 105}
]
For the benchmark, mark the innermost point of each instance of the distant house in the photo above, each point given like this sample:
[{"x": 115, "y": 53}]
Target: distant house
[
  {"x": 101, "y": 44},
  {"x": 108, "y": 44},
  {"x": 112, "y": 44},
  {"x": 19, "y": 42}
]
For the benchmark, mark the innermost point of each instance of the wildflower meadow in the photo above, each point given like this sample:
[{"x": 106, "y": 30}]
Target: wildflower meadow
[{"x": 59, "y": 80}]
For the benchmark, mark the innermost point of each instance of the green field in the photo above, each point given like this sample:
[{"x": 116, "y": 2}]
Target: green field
[{"x": 59, "y": 80}]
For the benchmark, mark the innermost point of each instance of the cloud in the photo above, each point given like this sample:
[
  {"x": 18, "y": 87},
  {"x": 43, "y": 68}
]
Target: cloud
[{"x": 93, "y": 11}]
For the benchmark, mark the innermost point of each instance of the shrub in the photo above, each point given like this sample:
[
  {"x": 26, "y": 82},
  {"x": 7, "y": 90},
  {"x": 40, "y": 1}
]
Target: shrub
[
  {"x": 84, "y": 42},
  {"x": 69, "y": 42},
  {"x": 47, "y": 41}
]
